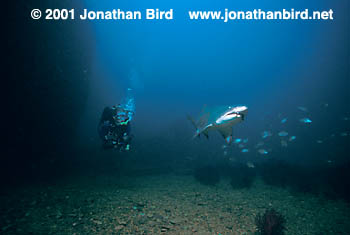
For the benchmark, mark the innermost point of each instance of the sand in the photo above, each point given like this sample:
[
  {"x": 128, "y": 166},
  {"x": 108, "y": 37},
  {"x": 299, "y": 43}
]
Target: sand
[{"x": 166, "y": 204}]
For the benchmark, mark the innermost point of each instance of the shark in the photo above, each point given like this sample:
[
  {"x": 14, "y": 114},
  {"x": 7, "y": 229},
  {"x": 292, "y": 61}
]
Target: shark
[{"x": 221, "y": 118}]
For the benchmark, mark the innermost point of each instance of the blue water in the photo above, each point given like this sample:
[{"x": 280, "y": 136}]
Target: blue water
[{"x": 177, "y": 67}]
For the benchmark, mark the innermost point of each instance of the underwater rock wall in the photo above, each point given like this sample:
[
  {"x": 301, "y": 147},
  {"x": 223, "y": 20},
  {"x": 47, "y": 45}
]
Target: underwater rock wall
[{"x": 47, "y": 67}]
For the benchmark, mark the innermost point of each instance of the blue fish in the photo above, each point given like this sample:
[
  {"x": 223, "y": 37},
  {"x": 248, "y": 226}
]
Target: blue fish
[
  {"x": 266, "y": 134},
  {"x": 283, "y": 120},
  {"x": 283, "y": 133},
  {"x": 263, "y": 151},
  {"x": 293, "y": 137},
  {"x": 305, "y": 120},
  {"x": 302, "y": 108},
  {"x": 245, "y": 150},
  {"x": 238, "y": 140}
]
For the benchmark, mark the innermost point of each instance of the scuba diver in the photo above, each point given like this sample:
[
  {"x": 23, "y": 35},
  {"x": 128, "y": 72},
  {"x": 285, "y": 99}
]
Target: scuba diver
[{"x": 114, "y": 125}]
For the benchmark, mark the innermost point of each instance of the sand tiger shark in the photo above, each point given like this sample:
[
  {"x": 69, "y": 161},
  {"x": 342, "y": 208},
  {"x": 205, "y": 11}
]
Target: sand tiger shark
[{"x": 221, "y": 119}]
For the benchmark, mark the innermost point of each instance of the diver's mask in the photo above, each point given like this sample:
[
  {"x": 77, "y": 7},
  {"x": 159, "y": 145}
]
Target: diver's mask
[{"x": 122, "y": 119}]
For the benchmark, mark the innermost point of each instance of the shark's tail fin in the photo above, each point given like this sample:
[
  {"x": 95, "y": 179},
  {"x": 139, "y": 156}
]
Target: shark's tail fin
[
  {"x": 197, "y": 134},
  {"x": 192, "y": 121},
  {"x": 198, "y": 131}
]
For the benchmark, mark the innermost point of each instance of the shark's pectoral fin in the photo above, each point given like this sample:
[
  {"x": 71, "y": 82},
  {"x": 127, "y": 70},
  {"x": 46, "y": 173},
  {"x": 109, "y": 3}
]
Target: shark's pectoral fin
[
  {"x": 206, "y": 129},
  {"x": 226, "y": 132},
  {"x": 206, "y": 134}
]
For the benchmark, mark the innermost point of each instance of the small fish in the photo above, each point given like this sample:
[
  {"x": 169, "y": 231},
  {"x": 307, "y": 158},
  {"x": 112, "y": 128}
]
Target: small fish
[
  {"x": 245, "y": 150},
  {"x": 325, "y": 105},
  {"x": 263, "y": 151},
  {"x": 240, "y": 146},
  {"x": 224, "y": 146},
  {"x": 319, "y": 141},
  {"x": 284, "y": 143},
  {"x": 238, "y": 140},
  {"x": 302, "y": 108},
  {"x": 225, "y": 153},
  {"x": 284, "y": 120},
  {"x": 245, "y": 140},
  {"x": 266, "y": 134},
  {"x": 232, "y": 159},
  {"x": 305, "y": 120},
  {"x": 344, "y": 134},
  {"x": 293, "y": 137},
  {"x": 259, "y": 144},
  {"x": 283, "y": 133},
  {"x": 346, "y": 119},
  {"x": 250, "y": 165}
]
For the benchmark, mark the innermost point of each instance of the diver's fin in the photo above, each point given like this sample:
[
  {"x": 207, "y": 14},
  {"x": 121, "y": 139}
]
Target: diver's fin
[{"x": 226, "y": 132}]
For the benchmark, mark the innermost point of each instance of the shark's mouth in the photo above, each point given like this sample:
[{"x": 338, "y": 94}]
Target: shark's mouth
[
  {"x": 233, "y": 114},
  {"x": 227, "y": 117},
  {"x": 238, "y": 112}
]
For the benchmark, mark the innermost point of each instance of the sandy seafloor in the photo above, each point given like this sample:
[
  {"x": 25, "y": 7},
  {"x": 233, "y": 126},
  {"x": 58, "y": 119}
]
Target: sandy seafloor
[{"x": 166, "y": 204}]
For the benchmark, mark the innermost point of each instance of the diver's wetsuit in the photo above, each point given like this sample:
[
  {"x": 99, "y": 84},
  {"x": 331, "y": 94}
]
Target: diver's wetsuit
[{"x": 114, "y": 129}]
